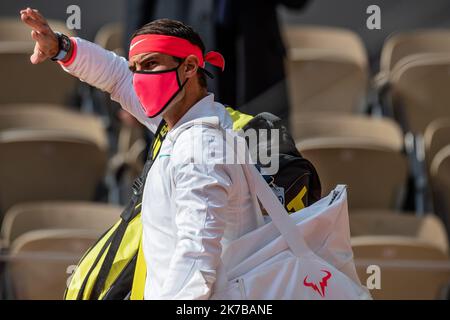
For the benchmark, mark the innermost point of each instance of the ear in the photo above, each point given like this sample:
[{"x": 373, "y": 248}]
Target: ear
[{"x": 191, "y": 66}]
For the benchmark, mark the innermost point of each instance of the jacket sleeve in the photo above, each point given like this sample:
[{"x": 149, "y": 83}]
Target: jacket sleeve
[{"x": 108, "y": 72}]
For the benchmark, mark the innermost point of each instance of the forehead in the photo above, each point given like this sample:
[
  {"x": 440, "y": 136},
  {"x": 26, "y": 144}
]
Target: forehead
[{"x": 148, "y": 55}]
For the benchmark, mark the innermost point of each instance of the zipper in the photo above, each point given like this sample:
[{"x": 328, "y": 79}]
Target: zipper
[{"x": 240, "y": 282}]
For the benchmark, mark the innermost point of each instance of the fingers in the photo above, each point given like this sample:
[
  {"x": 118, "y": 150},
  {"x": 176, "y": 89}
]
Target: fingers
[
  {"x": 39, "y": 37},
  {"x": 34, "y": 13},
  {"x": 46, "y": 41},
  {"x": 36, "y": 25},
  {"x": 38, "y": 16},
  {"x": 35, "y": 20},
  {"x": 38, "y": 56}
]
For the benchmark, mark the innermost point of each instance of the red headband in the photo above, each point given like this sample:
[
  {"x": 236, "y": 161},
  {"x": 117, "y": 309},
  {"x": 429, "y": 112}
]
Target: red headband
[{"x": 173, "y": 46}]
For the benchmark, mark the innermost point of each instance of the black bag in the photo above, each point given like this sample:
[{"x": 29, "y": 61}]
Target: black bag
[{"x": 296, "y": 183}]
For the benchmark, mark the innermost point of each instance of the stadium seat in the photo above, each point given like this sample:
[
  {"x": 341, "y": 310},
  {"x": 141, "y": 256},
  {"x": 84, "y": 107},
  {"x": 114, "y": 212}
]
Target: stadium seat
[
  {"x": 111, "y": 37},
  {"x": 60, "y": 158},
  {"x": 338, "y": 146},
  {"x": 428, "y": 228},
  {"x": 327, "y": 70},
  {"x": 23, "y": 82},
  {"x": 41, "y": 262},
  {"x": 52, "y": 117},
  {"x": 37, "y": 165},
  {"x": 26, "y": 217},
  {"x": 405, "y": 44},
  {"x": 382, "y": 131},
  {"x": 440, "y": 178},
  {"x": 409, "y": 268},
  {"x": 436, "y": 137},
  {"x": 419, "y": 90}
]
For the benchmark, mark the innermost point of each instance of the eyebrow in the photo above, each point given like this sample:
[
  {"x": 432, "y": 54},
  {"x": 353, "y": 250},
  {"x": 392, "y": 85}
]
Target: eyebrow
[{"x": 132, "y": 65}]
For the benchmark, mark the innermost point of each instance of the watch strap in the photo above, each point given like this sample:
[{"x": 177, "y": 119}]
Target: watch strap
[{"x": 64, "y": 45}]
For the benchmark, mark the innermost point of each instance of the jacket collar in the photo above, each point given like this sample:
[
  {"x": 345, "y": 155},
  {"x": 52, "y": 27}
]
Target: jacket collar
[
  {"x": 202, "y": 108},
  {"x": 205, "y": 108}
]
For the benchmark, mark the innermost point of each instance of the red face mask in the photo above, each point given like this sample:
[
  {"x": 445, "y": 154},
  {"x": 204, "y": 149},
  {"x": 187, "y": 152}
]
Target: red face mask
[{"x": 157, "y": 89}]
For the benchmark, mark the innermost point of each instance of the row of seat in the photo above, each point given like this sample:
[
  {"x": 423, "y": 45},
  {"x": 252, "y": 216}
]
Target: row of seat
[
  {"x": 70, "y": 151},
  {"x": 363, "y": 152},
  {"x": 368, "y": 154},
  {"x": 411, "y": 254},
  {"x": 49, "y": 153},
  {"x": 328, "y": 71},
  {"x": 42, "y": 243},
  {"x": 337, "y": 145},
  {"x": 23, "y": 82}
]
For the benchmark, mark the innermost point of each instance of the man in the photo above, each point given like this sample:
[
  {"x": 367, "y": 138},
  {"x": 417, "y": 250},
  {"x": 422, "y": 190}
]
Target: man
[
  {"x": 190, "y": 210},
  {"x": 247, "y": 32}
]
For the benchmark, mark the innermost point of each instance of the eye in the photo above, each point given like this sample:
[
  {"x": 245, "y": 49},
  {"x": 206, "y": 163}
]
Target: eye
[{"x": 149, "y": 65}]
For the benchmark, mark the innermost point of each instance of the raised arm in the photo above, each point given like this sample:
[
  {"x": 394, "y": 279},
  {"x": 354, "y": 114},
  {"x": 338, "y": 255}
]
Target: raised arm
[{"x": 90, "y": 63}]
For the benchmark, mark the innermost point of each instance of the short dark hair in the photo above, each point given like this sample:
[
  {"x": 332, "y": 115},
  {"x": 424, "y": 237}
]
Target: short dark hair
[{"x": 169, "y": 27}]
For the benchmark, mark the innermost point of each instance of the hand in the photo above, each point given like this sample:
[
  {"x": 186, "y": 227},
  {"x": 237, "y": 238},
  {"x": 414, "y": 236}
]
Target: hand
[{"x": 46, "y": 40}]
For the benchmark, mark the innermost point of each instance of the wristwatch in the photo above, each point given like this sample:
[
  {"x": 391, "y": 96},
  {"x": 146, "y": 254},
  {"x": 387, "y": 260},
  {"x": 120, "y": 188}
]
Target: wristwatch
[{"x": 64, "y": 45}]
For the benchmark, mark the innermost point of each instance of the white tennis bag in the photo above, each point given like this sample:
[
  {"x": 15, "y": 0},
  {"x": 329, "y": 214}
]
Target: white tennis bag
[{"x": 305, "y": 255}]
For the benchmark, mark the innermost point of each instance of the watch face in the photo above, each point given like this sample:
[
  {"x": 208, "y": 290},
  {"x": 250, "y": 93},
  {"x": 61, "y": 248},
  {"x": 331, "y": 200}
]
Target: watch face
[{"x": 65, "y": 43}]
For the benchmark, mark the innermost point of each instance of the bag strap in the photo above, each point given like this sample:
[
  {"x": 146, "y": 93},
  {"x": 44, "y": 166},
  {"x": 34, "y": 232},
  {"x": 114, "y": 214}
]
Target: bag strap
[
  {"x": 138, "y": 186},
  {"x": 280, "y": 217},
  {"x": 140, "y": 271}
]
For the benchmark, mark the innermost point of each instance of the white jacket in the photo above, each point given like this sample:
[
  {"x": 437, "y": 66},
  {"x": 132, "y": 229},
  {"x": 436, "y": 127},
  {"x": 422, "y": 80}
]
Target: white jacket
[{"x": 191, "y": 210}]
